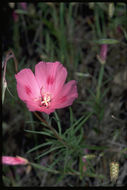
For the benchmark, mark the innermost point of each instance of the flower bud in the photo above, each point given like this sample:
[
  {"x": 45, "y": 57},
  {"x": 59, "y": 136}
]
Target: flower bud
[
  {"x": 4, "y": 89},
  {"x": 9, "y": 160},
  {"x": 103, "y": 53}
]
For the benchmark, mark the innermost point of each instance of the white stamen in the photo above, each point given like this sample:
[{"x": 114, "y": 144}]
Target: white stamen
[{"x": 46, "y": 100}]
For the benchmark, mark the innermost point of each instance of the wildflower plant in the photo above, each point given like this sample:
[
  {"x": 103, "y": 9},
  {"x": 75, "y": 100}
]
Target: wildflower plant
[{"x": 44, "y": 92}]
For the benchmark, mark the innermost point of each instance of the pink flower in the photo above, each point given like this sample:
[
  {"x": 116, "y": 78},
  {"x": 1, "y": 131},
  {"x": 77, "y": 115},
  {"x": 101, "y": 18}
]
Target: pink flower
[
  {"x": 119, "y": 29},
  {"x": 84, "y": 159},
  {"x": 45, "y": 91},
  {"x": 9, "y": 160},
  {"x": 84, "y": 168},
  {"x": 15, "y": 16},
  {"x": 23, "y": 5}
]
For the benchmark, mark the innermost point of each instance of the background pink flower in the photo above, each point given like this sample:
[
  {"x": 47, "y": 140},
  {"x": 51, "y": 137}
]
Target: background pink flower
[
  {"x": 9, "y": 160},
  {"x": 45, "y": 91},
  {"x": 15, "y": 16},
  {"x": 23, "y": 5}
]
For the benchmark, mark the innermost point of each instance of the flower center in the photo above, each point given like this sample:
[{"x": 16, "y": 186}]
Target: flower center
[{"x": 46, "y": 99}]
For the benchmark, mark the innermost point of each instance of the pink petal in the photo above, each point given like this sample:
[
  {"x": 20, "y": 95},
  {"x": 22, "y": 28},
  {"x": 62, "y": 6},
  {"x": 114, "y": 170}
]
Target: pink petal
[
  {"x": 32, "y": 106},
  {"x": 50, "y": 76},
  {"x": 27, "y": 86},
  {"x": 66, "y": 96},
  {"x": 14, "y": 160}
]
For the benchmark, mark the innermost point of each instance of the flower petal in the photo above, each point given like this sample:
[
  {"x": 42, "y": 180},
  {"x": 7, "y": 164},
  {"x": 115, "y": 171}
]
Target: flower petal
[
  {"x": 27, "y": 86},
  {"x": 50, "y": 76},
  {"x": 66, "y": 96},
  {"x": 32, "y": 106}
]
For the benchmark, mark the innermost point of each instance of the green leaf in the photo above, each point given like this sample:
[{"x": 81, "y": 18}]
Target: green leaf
[
  {"x": 48, "y": 151},
  {"x": 77, "y": 122},
  {"x": 104, "y": 93},
  {"x": 39, "y": 146},
  {"x": 68, "y": 131},
  {"x": 21, "y": 11},
  {"x": 66, "y": 157},
  {"x": 58, "y": 122},
  {"x": 51, "y": 28},
  {"x": 106, "y": 41},
  {"x": 44, "y": 168},
  {"x": 94, "y": 175},
  {"x": 71, "y": 116},
  {"x": 95, "y": 147},
  {"x": 82, "y": 122},
  {"x": 39, "y": 132},
  {"x": 80, "y": 137},
  {"x": 56, "y": 160},
  {"x": 91, "y": 92}
]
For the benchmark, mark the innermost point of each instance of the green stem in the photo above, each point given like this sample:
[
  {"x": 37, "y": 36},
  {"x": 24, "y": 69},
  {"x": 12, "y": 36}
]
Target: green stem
[
  {"x": 96, "y": 13},
  {"x": 100, "y": 83}
]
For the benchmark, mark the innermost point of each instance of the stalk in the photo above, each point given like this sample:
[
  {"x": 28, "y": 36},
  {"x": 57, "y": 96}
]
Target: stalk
[{"x": 52, "y": 129}]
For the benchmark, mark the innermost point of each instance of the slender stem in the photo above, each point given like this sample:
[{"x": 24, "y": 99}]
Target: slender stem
[
  {"x": 97, "y": 22},
  {"x": 52, "y": 129},
  {"x": 41, "y": 119},
  {"x": 100, "y": 83},
  {"x": 15, "y": 61}
]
